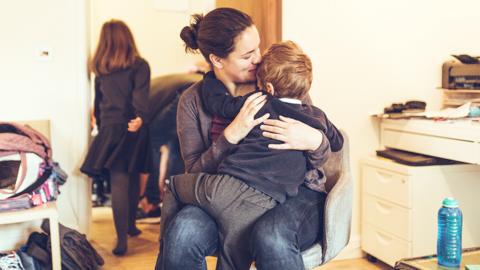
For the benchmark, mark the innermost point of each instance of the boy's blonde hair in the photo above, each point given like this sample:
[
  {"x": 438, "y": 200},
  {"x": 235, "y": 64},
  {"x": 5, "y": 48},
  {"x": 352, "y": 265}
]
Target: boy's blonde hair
[{"x": 287, "y": 68}]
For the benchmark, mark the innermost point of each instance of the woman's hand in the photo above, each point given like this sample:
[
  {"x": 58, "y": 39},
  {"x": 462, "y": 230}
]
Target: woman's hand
[
  {"x": 245, "y": 121},
  {"x": 295, "y": 134},
  {"x": 135, "y": 124}
]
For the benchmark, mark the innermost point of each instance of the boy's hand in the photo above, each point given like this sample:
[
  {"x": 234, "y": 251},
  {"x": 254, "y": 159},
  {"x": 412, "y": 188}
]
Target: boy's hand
[{"x": 295, "y": 134}]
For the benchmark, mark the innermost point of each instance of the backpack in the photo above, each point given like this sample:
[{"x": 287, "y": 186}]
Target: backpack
[
  {"x": 76, "y": 252},
  {"x": 25, "y": 160}
]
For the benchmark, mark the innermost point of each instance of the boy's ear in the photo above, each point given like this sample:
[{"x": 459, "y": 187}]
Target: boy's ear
[
  {"x": 270, "y": 89},
  {"x": 215, "y": 60}
]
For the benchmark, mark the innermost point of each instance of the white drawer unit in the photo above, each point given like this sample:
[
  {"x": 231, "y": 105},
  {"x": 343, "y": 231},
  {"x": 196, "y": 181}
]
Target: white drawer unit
[
  {"x": 393, "y": 218},
  {"x": 384, "y": 245},
  {"x": 400, "y": 204},
  {"x": 388, "y": 185}
]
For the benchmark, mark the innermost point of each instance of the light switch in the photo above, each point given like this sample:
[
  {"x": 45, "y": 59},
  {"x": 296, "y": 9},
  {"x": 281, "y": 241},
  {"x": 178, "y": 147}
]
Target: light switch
[{"x": 44, "y": 55}]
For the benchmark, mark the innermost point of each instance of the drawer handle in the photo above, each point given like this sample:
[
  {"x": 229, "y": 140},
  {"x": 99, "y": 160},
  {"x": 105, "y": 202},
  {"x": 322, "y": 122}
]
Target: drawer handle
[
  {"x": 383, "y": 207},
  {"x": 383, "y": 238},
  {"x": 384, "y": 177}
]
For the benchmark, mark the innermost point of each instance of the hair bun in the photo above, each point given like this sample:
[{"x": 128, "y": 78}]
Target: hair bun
[{"x": 189, "y": 34}]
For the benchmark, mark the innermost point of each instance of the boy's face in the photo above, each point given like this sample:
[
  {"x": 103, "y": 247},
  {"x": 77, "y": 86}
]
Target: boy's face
[{"x": 241, "y": 64}]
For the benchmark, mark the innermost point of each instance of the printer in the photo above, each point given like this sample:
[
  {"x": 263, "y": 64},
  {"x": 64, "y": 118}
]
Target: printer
[{"x": 461, "y": 73}]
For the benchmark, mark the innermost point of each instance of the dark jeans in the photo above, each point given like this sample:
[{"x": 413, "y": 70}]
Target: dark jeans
[
  {"x": 277, "y": 239},
  {"x": 191, "y": 236},
  {"x": 283, "y": 232},
  {"x": 234, "y": 205}
]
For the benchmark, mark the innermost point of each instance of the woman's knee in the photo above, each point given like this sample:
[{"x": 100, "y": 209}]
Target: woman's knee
[
  {"x": 271, "y": 237},
  {"x": 274, "y": 245},
  {"x": 192, "y": 230}
]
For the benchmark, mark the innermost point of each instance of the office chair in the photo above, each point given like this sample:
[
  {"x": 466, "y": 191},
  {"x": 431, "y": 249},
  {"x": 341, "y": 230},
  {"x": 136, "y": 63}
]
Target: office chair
[
  {"x": 338, "y": 209},
  {"x": 337, "y": 212}
]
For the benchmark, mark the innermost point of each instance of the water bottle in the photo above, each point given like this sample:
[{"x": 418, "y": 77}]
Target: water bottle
[{"x": 449, "y": 242}]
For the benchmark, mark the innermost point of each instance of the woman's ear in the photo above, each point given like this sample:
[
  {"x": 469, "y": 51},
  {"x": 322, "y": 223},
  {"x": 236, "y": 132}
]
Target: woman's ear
[
  {"x": 215, "y": 60},
  {"x": 270, "y": 89}
]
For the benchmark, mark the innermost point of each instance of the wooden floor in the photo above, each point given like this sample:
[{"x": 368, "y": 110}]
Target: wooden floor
[{"x": 142, "y": 250}]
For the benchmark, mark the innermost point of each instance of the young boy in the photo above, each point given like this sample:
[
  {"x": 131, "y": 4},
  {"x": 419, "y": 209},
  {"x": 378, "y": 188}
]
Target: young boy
[{"x": 253, "y": 178}]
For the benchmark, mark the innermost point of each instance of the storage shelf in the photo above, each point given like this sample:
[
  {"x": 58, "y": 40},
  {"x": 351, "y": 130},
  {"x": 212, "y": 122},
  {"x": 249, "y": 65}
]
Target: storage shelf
[{"x": 49, "y": 211}]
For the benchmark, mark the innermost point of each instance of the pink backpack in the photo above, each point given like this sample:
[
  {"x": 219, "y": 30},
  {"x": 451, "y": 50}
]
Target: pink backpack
[{"x": 19, "y": 144}]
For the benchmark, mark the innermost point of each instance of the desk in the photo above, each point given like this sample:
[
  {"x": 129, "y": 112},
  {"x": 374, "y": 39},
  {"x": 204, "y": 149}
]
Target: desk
[
  {"x": 49, "y": 211},
  {"x": 456, "y": 140}
]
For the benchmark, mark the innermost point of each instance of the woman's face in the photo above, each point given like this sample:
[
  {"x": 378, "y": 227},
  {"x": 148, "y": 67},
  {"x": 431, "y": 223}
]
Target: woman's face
[{"x": 240, "y": 66}]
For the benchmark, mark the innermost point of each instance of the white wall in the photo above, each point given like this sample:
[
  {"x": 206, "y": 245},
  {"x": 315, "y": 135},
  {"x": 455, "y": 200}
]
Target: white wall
[
  {"x": 156, "y": 32},
  {"x": 54, "y": 89},
  {"x": 368, "y": 54}
]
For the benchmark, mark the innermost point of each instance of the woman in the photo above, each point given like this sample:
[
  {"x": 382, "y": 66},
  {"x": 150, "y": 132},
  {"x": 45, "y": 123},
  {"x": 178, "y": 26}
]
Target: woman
[
  {"x": 229, "y": 41},
  {"x": 122, "y": 82}
]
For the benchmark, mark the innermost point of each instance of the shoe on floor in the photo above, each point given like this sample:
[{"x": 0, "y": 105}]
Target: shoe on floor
[
  {"x": 151, "y": 217},
  {"x": 10, "y": 261}
]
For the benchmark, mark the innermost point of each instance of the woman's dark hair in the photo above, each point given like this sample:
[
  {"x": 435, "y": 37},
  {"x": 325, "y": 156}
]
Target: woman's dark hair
[{"x": 215, "y": 32}]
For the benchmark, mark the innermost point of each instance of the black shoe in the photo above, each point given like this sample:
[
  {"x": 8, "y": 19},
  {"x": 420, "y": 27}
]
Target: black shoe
[
  {"x": 152, "y": 216},
  {"x": 120, "y": 250},
  {"x": 134, "y": 232},
  {"x": 99, "y": 201}
]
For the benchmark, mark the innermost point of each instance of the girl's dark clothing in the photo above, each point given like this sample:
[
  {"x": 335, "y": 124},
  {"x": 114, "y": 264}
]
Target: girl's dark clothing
[{"x": 120, "y": 96}]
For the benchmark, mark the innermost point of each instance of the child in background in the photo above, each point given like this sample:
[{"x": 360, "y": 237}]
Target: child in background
[{"x": 122, "y": 81}]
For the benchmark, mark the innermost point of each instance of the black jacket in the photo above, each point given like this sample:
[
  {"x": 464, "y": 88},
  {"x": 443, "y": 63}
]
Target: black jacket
[
  {"x": 122, "y": 95},
  {"x": 277, "y": 173}
]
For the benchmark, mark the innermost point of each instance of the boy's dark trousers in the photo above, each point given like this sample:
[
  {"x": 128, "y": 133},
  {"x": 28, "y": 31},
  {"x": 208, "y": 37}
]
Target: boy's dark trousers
[{"x": 234, "y": 205}]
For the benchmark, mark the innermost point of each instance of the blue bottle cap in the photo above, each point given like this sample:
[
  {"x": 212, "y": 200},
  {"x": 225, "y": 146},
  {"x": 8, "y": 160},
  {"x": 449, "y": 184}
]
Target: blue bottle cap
[{"x": 450, "y": 202}]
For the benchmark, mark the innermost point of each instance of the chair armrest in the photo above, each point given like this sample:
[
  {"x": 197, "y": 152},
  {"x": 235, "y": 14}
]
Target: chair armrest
[{"x": 338, "y": 216}]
